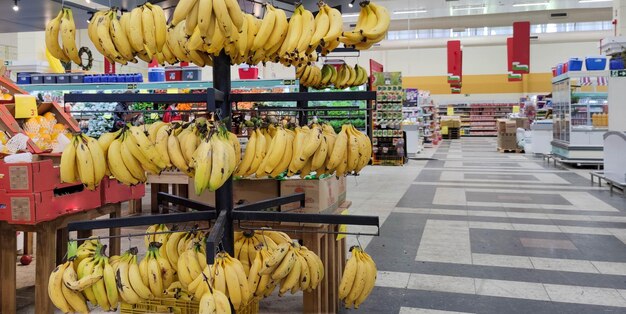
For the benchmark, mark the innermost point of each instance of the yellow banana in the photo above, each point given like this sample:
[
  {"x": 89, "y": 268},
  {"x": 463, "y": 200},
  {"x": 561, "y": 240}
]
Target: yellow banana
[
  {"x": 52, "y": 38},
  {"x": 68, "y": 37}
]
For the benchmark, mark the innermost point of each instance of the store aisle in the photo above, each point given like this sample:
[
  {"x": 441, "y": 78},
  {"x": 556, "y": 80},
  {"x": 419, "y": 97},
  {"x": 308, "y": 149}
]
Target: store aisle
[{"x": 482, "y": 232}]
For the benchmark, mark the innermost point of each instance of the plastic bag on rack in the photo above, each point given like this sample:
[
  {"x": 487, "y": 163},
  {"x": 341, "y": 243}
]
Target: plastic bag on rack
[{"x": 17, "y": 143}]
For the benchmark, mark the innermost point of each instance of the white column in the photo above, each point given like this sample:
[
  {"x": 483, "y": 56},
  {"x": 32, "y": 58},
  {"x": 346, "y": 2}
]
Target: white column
[{"x": 619, "y": 14}]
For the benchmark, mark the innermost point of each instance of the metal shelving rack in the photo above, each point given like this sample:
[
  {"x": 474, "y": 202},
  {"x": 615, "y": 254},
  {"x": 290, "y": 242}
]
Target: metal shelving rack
[{"x": 224, "y": 213}]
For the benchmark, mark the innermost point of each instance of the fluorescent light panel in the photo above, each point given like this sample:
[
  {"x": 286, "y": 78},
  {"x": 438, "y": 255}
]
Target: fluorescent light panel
[
  {"x": 530, "y": 4},
  {"x": 469, "y": 7},
  {"x": 594, "y": 1},
  {"x": 350, "y": 15},
  {"x": 410, "y": 11}
]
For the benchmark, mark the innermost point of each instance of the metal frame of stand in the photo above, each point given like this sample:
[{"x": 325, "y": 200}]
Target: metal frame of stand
[{"x": 224, "y": 213}]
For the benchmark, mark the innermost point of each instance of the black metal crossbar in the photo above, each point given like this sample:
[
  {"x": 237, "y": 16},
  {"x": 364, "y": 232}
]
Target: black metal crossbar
[
  {"x": 163, "y": 198},
  {"x": 211, "y": 96},
  {"x": 307, "y": 218},
  {"x": 302, "y": 96},
  {"x": 273, "y": 202},
  {"x": 141, "y": 220}
]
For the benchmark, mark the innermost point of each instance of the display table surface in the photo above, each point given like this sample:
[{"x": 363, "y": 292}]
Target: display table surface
[{"x": 52, "y": 237}]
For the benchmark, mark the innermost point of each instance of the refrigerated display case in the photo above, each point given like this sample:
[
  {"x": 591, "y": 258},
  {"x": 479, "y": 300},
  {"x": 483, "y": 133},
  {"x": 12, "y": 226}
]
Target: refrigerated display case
[{"x": 580, "y": 115}]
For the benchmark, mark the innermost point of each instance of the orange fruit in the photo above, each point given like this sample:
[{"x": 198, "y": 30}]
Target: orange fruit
[
  {"x": 49, "y": 116},
  {"x": 7, "y": 96},
  {"x": 33, "y": 120},
  {"x": 58, "y": 128}
]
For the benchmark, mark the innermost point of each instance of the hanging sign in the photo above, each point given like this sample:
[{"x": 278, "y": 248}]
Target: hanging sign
[
  {"x": 515, "y": 109},
  {"x": 450, "y": 111},
  {"x": 521, "y": 47}
]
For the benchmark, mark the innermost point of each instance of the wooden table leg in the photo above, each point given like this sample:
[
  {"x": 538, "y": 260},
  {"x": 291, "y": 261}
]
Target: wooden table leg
[
  {"x": 8, "y": 248},
  {"x": 311, "y": 300},
  {"x": 165, "y": 188},
  {"x": 332, "y": 276},
  {"x": 82, "y": 234},
  {"x": 154, "y": 190},
  {"x": 182, "y": 191},
  {"x": 62, "y": 236},
  {"x": 324, "y": 249},
  {"x": 46, "y": 249},
  {"x": 28, "y": 243},
  {"x": 134, "y": 206},
  {"x": 114, "y": 243}
]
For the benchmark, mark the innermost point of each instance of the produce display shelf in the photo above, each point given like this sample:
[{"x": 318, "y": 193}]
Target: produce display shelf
[{"x": 149, "y": 86}]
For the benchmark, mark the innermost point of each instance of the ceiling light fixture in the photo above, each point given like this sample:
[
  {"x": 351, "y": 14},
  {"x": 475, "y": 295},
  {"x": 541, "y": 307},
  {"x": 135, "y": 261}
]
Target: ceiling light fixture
[
  {"x": 530, "y": 4},
  {"x": 410, "y": 11},
  {"x": 468, "y": 7},
  {"x": 15, "y": 6},
  {"x": 351, "y": 4},
  {"x": 88, "y": 1},
  {"x": 594, "y": 1},
  {"x": 350, "y": 15}
]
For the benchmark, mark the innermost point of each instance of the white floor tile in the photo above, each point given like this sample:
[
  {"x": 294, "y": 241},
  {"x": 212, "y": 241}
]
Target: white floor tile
[
  {"x": 563, "y": 265},
  {"x": 391, "y": 279},
  {"x": 442, "y": 283},
  {"x": 511, "y": 289},
  {"x": 412, "y": 310},
  {"x": 585, "y": 295}
]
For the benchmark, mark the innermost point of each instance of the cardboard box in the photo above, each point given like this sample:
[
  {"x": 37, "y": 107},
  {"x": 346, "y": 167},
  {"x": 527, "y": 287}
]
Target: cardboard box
[
  {"x": 244, "y": 192},
  {"x": 321, "y": 196},
  {"x": 507, "y": 141},
  {"x": 522, "y": 123},
  {"x": 33, "y": 208},
  {"x": 342, "y": 189}
]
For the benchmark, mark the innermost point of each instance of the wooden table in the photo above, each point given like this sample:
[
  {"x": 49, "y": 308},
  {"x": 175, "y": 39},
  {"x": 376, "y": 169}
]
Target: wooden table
[
  {"x": 49, "y": 254},
  {"x": 161, "y": 183}
]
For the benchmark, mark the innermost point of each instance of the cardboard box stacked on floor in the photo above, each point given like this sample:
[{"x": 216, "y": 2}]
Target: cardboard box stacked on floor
[{"x": 507, "y": 130}]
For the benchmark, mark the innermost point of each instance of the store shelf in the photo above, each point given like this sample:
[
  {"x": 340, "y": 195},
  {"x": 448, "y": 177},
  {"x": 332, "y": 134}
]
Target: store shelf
[
  {"x": 152, "y": 86},
  {"x": 579, "y": 74}
]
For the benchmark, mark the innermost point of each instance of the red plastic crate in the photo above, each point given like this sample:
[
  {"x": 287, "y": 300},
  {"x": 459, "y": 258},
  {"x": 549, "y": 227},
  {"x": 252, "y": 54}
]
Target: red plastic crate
[
  {"x": 34, "y": 176},
  {"x": 115, "y": 192},
  {"x": 173, "y": 74},
  {"x": 33, "y": 208},
  {"x": 248, "y": 73}
]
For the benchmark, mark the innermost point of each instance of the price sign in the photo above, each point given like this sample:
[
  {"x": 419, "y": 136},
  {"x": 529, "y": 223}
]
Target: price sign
[
  {"x": 143, "y": 91},
  {"x": 154, "y": 116},
  {"x": 444, "y": 130},
  {"x": 172, "y": 90},
  {"x": 107, "y": 116},
  {"x": 25, "y": 106},
  {"x": 342, "y": 228},
  {"x": 515, "y": 109},
  {"x": 450, "y": 111},
  {"x": 132, "y": 86}
]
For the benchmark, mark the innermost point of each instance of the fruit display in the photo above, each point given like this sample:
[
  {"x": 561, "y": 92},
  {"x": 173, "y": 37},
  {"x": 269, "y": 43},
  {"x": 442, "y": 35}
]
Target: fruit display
[
  {"x": 174, "y": 267},
  {"x": 359, "y": 277},
  {"x": 62, "y": 24},
  {"x": 201, "y": 29},
  {"x": 83, "y": 161},
  {"x": 98, "y": 123},
  {"x": 317, "y": 148},
  {"x": 342, "y": 78},
  {"x": 44, "y": 130},
  {"x": 371, "y": 27}
]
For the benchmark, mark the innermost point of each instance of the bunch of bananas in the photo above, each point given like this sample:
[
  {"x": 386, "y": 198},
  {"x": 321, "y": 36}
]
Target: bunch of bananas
[
  {"x": 179, "y": 242},
  {"x": 213, "y": 301},
  {"x": 93, "y": 279},
  {"x": 140, "y": 33},
  {"x": 346, "y": 76},
  {"x": 214, "y": 161},
  {"x": 290, "y": 266},
  {"x": 63, "y": 23},
  {"x": 131, "y": 153},
  {"x": 317, "y": 148},
  {"x": 83, "y": 160},
  {"x": 359, "y": 277},
  {"x": 227, "y": 276},
  {"x": 371, "y": 27},
  {"x": 246, "y": 244}
]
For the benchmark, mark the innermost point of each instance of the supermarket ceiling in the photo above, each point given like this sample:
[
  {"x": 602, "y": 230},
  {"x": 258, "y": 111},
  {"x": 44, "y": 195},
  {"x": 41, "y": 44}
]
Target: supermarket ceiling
[{"x": 33, "y": 14}]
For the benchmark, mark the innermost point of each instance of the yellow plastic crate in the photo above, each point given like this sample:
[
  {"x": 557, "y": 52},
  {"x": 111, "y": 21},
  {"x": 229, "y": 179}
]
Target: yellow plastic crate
[{"x": 167, "y": 306}]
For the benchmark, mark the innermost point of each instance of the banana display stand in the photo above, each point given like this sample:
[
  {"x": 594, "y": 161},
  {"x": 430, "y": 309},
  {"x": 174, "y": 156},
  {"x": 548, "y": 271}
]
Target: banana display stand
[{"x": 224, "y": 217}]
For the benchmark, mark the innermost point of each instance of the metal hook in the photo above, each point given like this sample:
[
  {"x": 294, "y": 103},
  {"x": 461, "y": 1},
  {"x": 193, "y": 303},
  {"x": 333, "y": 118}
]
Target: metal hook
[{"x": 129, "y": 242}]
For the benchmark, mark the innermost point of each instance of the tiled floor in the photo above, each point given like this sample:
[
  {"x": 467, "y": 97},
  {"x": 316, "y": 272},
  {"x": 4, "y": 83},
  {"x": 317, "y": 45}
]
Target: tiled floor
[{"x": 483, "y": 232}]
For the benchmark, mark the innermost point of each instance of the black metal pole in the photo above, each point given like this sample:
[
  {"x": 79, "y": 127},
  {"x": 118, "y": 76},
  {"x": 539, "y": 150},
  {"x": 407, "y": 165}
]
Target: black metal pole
[
  {"x": 303, "y": 116},
  {"x": 224, "y": 195}
]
